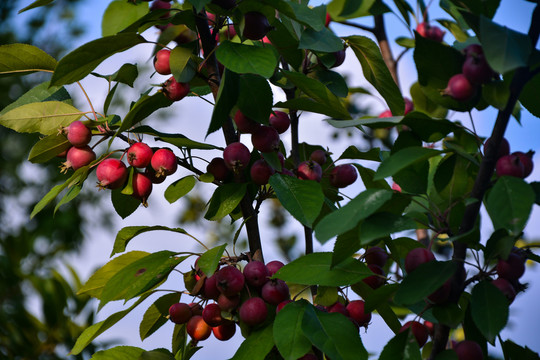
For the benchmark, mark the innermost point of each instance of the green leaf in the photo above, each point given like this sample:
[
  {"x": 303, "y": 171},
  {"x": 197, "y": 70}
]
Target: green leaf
[
  {"x": 125, "y": 75},
  {"x": 348, "y": 9},
  {"x": 139, "y": 276},
  {"x": 92, "y": 332},
  {"x": 226, "y": 99},
  {"x": 402, "y": 346},
  {"x": 333, "y": 334},
  {"x": 119, "y": 353},
  {"x": 376, "y": 72},
  {"x": 124, "y": 204},
  {"x": 209, "y": 260},
  {"x": 48, "y": 147},
  {"x": 255, "y": 98},
  {"x": 428, "y": 129},
  {"x": 46, "y": 117},
  {"x": 316, "y": 269},
  {"x": 81, "y": 61},
  {"x": 485, "y": 7},
  {"x": 509, "y": 203},
  {"x": 308, "y": 104},
  {"x": 334, "y": 81},
  {"x": 515, "y": 351},
  {"x": 323, "y": 40},
  {"x": 177, "y": 140},
  {"x": 41, "y": 92},
  {"x": 489, "y": 310},
  {"x": 286, "y": 43},
  {"x": 36, "y": 4},
  {"x": 126, "y": 234},
  {"x": 120, "y": 14},
  {"x": 423, "y": 104},
  {"x": 143, "y": 108},
  {"x": 94, "y": 285},
  {"x": 199, "y": 4},
  {"x": 423, "y": 281},
  {"x": 529, "y": 94},
  {"x": 312, "y": 17},
  {"x": 455, "y": 29},
  {"x": 383, "y": 224},
  {"x": 348, "y": 216},
  {"x": 449, "y": 314},
  {"x": 22, "y": 59},
  {"x": 288, "y": 335},
  {"x": 179, "y": 188},
  {"x": 247, "y": 59},
  {"x": 256, "y": 346},
  {"x": 402, "y": 159},
  {"x": 319, "y": 93},
  {"x": 69, "y": 195},
  {"x": 352, "y": 152},
  {"x": 224, "y": 200},
  {"x": 158, "y": 354},
  {"x": 157, "y": 314},
  {"x": 178, "y": 61},
  {"x": 505, "y": 49},
  {"x": 303, "y": 199}
]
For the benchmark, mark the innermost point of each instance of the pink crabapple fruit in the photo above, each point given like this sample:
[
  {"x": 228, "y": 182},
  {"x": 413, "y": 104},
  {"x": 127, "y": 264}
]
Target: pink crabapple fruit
[
  {"x": 228, "y": 303},
  {"x": 510, "y": 165},
  {"x": 256, "y": 25},
  {"x": 273, "y": 266},
  {"x": 236, "y": 156},
  {"x": 180, "y": 313},
  {"x": 78, "y": 134},
  {"x": 229, "y": 280},
  {"x": 282, "y": 304},
  {"x": 275, "y": 291},
  {"x": 174, "y": 90},
  {"x": 139, "y": 155},
  {"x": 280, "y": 121},
  {"x": 512, "y": 268},
  {"x": 468, "y": 350},
  {"x": 142, "y": 187},
  {"x": 77, "y": 157},
  {"x": 504, "y": 148},
  {"x": 343, "y": 175},
  {"x": 256, "y": 273},
  {"x": 164, "y": 162},
  {"x": 210, "y": 289},
  {"x": 419, "y": 331},
  {"x": 460, "y": 88},
  {"x": 309, "y": 170},
  {"x": 526, "y": 160},
  {"x": 218, "y": 169},
  {"x": 212, "y": 315},
  {"x": 506, "y": 288},
  {"x": 319, "y": 156},
  {"x": 477, "y": 70},
  {"x": 417, "y": 257},
  {"x": 244, "y": 124},
  {"x": 377, "y": 280},
  {"x": 161, "y": 62},
  {"x": 111, "y": 174},
  {"x": 265, "y": 139},
  {"x": 260, "y": 172},
  {"x": 430, "y": 32},
  {"x": 253, "y": 311},
  {"x": 376, "y": 255},
  {"x": 224, "y": 331},
  {"x": 358, "y": 314},
  {"x": 338, "y": 307}
]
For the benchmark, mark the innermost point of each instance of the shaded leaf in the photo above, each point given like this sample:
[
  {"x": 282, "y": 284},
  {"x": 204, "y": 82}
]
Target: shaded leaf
[
  {"x": 489, "y": 309},
  {"x": 156, "y": 315},
  {"x": 247, "y": 59},
  {"x": 209, "y": 260},
  {"x": 403, "y": 158},
  {"x": 48, "y": 147},
  {"x": 145, "y": 106},
  {"x": 177, "y": 140},
  {"x": 179, "y": 188},
  {"x": 120, "y": 14},
  {"x": 22, "y": 59},
  {"x": 224, "y": 200},
  {"x": 118, "y": 353},
  {"x": 288, "y": 335},
  {"x": 402, "y": 346},
  {"x": 126, "y": 234},
  {"x": 256, "y": 346}
]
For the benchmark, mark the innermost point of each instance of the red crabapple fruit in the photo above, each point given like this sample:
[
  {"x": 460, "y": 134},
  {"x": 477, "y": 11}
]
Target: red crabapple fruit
[
  {"x": 174, "y": 90},
  {"x": 244, "y": 124},
  {"x": 142, "y": 187},
  {"x": 212, "y": 315},
  {"x": 253, "y": 311},
  {"x": 78, "y": 134},
  {"x": 164, "y": 162},
  {"x": 256, "y": 274},
  {"x": 460, "y": 88},
  {"x": 526, "y": 160},
  {"x": 218, "y": 169},
  {"x": 357, "y": 313},
  {"x": 111, "y": 174},
  {"x": 280, "y": 121},
  {"x": 417, "y": 257},
  {"x": 273, "y": 266},
  {"x": 229, "y": 280},
  {"x": 319, "y": 156},
  {"x": 256, "y": 25},
  {"x": 510, "y": 165},
  {"x": 309, "y": 170},
  {"x": 198, "y": 329},
  {"x": 76, "y": 158},
  {"x": 260, "y": 172},
  {"x": 419, "y": 331},
  {"x": 343, "y": 175},
  {"x": 161, "y": 62},
  {"x": 468, "y": 350},
  {"x": 236, "y": 156},
  {"x": 265, "y": 139},
  {"x": 275, "y": 291},
  {"x": 139, "y": 155},
  {"x": 224, "y": 331},
  {"x": 180, "y": 313}
]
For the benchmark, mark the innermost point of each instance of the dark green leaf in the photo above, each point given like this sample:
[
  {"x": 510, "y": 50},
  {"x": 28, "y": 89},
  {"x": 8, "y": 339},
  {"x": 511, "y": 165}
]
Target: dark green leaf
[
  {"x": 383, "y": 224},
  {"x": 257, "y": 345},
  {"x": 126, "y": 234},
  {"x": 178, "y": 61},
  {"x": 352, "y": 152},
  {"x": 315, "y": 269},
  {"x": 41, "y": 92},
  {"x": 515, "y": 351},
  {"x": 499, "y": 244},
  {"x": 199, "y": 4},
  {"x": 347, "y": 217},
  {"x": 48, "y": 147},
  {"x": 323, "y": 40},
  {"x": 376, "y": 72},
  {"x": 286, "y": 43},
  {"x": 247, "y": 59},
  {"x": 81, "y": 61},
  {"x": 118, "y": 353},
  {"x": 428, "y": 129},
  {"x": 485, "y": 7},
  {"x": 489, "y": 309},
  {"x": 535, "y": 185},
  {"x": 226, "y": 99},
  {"x": 455, "y": 29},
  {"x": 22, "y": 59},
  {"x": 288, "y": 334},
  {"x": 177, "y": 140},
  {"x": 179, "y": 188},
  {"x": 303, "y": 199},
  {"x": 209, "y": 260},
  {"x": 125, "y": 75},
  {"x": 449, "y": 314},
  {"x": 308, "y": 104},
  {"x": 225, "y": 199},
  {"x": 402, "y": 346},
  {"x": 157, "y": 354},
  {"x": 348, "y": 9},
  {"x": 334, "y": 81},
  {"x": 529, "y": 95},
  {"x": 402, "y": 159},
  {"x": 124, "y": 205},
  {"x": 120, "y": 14},
  {"x": 36, "y": 4},
  {"x": 371, "y": 122},
  {"x": 156, "y": 315},
  {"x": 255, "y": 98},
  {"x": 71, "y": 194},
  {"x": 143, "y": 108},
  {"x": 447, "y": 355},
  {"x": 423, "y": 104}
]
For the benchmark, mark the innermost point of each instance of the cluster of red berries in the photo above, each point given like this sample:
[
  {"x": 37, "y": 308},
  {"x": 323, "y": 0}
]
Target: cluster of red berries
[
  {"x": 113, "y": 173},
  {"x": 509, "y": 271},
  {"x": 517, "y": 164},
  {"x": 172, "y": 89},
  {"x": 239, "y": 296},
  {"x": 474, "y": 72},
  {"x": 428, "y": 31},
  {"x": 79, "y": 154}
]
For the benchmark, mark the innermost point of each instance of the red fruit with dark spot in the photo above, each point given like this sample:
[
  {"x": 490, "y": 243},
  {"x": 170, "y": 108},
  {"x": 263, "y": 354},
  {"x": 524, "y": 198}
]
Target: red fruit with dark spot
[
  {"x": 161, "y": 62},
  {"x": 377, "y": 280},
  {"x": 319, "y": 156},
  {"x": 224, "y": 331},
  {"x": 419, "y": 331},
  {"x": 236, "y": 156},
  {"x": 510, "y": 165},
  {"x": 460, "y": 88},
  {"x": 174, "y": 90},
  {"x": 526, "y": 160},
  {"x": 504, "y": 148},
  {"x": 376, "y": 255},
  {"x": 164, "y": 162},
  {"x": 256, "y": 273},
  {"x": 253, "y": 311},
  {"x": 357, "y": 312},
  {"x": 180, "y": 313},
  {"x": 265, "y": 139},
  {"x": 78, "y": 134},
  {"x": 198, "y": 329},
  {"x": 212, "y": 315},
  {"x": 228, "y": 303},
  {"x": 273, "y": 266},
  {"x": 506, "y": 288},
  {"x": 210, "y": 289},
  {"x": 309, "y": 170},
  {"x": 76, "y": 158},
  {"x": 477, "y": 70},
  {"x": 244, "y": 124},
  {"x": 280, "y": 121},
  {"x": 260, "y": 172},
  {"x": 282, "y": 304},
  {"x": 111, "y": 174},
  {"x": 275, "y": 291},
  {"x": 218, "y": 169},
  {"x": 338, "y": 308},
  {"x": 229, "y": 280},
  {"x": 417, "y": 257},
  {"x": 343, "y": 175},
  {"x": 512, "y": 268},
  {"x": 139, "y": 155},
  {"x": 468, "y": 350},
  {"x": 256, "y": 25},
  {"x": 142, "y": 187}
]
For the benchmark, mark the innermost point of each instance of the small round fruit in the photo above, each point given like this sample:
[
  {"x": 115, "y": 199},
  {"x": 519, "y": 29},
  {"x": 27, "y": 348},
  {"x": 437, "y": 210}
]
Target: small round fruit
[
  {"x": 224, "y": 331},
  {"x": 357, "y": 312},
  {"x": 164, "y": 162},
  {"x": 376, "y": 255},
  {"x": 340, "y": 58},
  {"x": 218, "y": 169},
  {"x": 338, "y": 307},
  {"x": 460, "y": 88},
  {"x": 477, "y": 70},
  {"x": 473, "y": 50},
  {"x": 273, "y": 266},
  {"x": 526, "y": 160},
  {"x": 76, "y": 157},
  {"x": 174, "y": 90},
  {"x": 142, "y": 187},
  {"x": 265, "y": 139},
  {"x": 506, "y": 288},
  {"x": 468, "y": 350},
  {"x": 512, "y": 268},
  {"x": 343, "y": 175},
  {"x": 377, "y": 280},
  {"x": 253, "y": 311},
  {"x": 196, "y": 308},
  {"x": 409, "y": 106},
  {"x": 139, "y": 155},
  {"x": 510, "y": 165},
  {"x": 244, "y": 124},
  {"x": 210, "y": 289},
  {"x": 151, "y": 174},
  {"x": 256, "y": 25},
  {"x": 309, "y": 170},
  {"x": 180, "y": 313},
  {"x": 282, "y": 304},
  {"x": 229, "y": 280},
  {"x": 212, "y": 315},
  {"x": 385, "y": 114},
  {"x": 228, "y": 303},
  {"x": 280, "y": 121},
  {"x": 236, "y": 156},
  {"x": 417, "y": 257},
  {"x": 198, "y": 329},
  {"x": 256, "y": 273},
  {"x": 430, "y": 32},
  {"x": 319, "y": 156},
  {"x": 441, "y": 295},
  {"x": 504, "y": 148},
  {"x": 419, "y": 331},
  {"x": 111, "y": 174},
  {"x": 78, "y": 134},
  {"x": 275, "y": 291},
  {"x": 161, "y": 62},
  {"x": 260, "y": 172}
]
